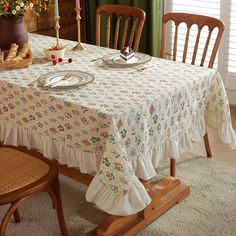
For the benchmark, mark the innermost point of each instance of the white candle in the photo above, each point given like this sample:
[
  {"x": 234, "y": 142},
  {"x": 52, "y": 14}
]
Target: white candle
[
  {"x": 56, "y": 11},
  {"x": 77, "y": 3}
]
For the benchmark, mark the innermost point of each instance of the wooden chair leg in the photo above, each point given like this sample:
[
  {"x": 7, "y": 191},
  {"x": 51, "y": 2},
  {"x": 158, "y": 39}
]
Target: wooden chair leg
[
  {"x": 172, "y": 167},
  {"x": 59, "y": 209},
  {"x": 13, "y": 208},
  {"x": 17, "y": 216},
  {"x": 207, "y": 145}
]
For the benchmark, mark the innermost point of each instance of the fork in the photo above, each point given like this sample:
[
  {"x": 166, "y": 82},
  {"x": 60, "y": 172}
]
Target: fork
[
  {"x": 96, "y": 59},
  {"x": 146, "y": 67},
  {"x": 52, "y": 83}
]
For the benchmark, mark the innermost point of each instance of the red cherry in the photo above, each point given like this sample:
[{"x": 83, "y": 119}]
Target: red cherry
[
  {"x": 60, "y": 59},
  {"x": 70, "y": 60},
  {"x": 53, "y": 56},
  {"x": 54, "y": 62}
]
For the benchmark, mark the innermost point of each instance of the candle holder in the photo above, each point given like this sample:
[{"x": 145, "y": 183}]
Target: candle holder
[
  {"x": 57, "y": 27},
  {"x": 79, "y": 46}
]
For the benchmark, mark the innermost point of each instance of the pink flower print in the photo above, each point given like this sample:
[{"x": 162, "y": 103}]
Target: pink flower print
[
  {"x": 118, "y": 166},
  {"x": 86, "y": 142},
  {"x": 38, "y": 114},
  {"x": 68, "y": 125},
  {"x": 60, "y": 107},
  {"x": 125, "y": 191},
  {"x": 128, "y": 141},
  {"x": 92, "y": 118},
  {"x": 104, "y": 134},
  {"x": 11, "y": 105},
  {"x": 25, "y": 119},
  {"x": 119, "y": 124},
  {"x": 53, "y": 130},
  {"x": 151, "y": 109}
]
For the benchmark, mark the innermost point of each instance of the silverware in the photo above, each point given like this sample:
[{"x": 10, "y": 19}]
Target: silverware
[
  {"x": 96, "y": 59},
  {"x": 146, "y": 67},
  {"x": 52, "y": 83}
]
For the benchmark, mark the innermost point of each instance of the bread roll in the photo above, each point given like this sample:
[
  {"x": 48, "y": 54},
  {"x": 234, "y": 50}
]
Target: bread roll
[
  {"x": 13, "y": 51},
  {"x": 22, "y": 53}
]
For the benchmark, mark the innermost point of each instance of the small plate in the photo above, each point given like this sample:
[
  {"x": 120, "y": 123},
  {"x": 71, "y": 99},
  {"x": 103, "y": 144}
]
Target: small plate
[
  {"x": 56, "y": 79},
  {"x": 115, "y": 60}
]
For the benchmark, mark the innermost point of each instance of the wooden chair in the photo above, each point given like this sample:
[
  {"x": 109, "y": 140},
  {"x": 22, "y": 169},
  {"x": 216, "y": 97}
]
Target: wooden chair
[
  {"x": 190, "y": 20},
  {"x": 21, "y": 176},
  {"x": 134, "y": 19}
]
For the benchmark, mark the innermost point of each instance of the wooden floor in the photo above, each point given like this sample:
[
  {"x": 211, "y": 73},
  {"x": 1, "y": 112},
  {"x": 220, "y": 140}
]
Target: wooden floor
[{"x": 221, "y": 151}]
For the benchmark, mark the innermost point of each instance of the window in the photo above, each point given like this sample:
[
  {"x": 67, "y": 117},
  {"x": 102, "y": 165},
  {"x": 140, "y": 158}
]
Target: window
[{"x": 226, "y": 11}]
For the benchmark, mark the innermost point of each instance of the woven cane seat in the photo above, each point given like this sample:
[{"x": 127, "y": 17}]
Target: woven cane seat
[{"x": 18, "y": 169}]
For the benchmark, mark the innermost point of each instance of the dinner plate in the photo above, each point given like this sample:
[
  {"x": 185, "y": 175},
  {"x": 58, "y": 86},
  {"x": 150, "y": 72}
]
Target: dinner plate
[
  {"x": 115, "y": 60},
  {"x": 64, "y": 79}
]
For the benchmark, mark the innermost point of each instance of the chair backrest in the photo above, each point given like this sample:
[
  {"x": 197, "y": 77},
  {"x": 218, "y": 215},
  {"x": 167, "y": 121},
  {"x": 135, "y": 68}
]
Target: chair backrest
[
  {"x": 134, "y": 19},
  {"x": 190, "y": 20}
]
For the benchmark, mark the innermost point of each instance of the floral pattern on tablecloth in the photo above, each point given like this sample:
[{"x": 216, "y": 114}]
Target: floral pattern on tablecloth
[{"x": 125, "y": 115}]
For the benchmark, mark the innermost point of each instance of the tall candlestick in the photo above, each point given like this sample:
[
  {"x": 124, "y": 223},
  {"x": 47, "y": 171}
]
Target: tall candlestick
[
  {"x": 57, "y": 27},
  {"x": 56, "y": 10},
  {"x": 77, "y": 3},
  {"x": 79, "y": 46}
]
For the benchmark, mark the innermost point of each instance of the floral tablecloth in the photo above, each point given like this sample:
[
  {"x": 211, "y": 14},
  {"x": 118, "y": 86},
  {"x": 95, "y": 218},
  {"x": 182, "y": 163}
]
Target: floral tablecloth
[{"x": 119, "y": 126}]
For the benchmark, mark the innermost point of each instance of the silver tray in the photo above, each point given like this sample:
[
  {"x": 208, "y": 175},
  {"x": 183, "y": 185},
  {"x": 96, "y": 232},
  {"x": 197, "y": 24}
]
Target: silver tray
[
  {"x": 66, "y": 79},
  {"x": 114, "y": 60}
]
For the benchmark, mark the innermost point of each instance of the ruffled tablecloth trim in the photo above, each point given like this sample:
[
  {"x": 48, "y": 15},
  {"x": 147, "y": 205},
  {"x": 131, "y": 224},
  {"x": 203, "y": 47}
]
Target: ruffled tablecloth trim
[
  {"x": 170, "y": 148},
  {"x": 132, "y": 201},
  {"x": 226, "y": 132},
  {"x": 88, "y": 162},
  {"x": 114, "y": 204}
]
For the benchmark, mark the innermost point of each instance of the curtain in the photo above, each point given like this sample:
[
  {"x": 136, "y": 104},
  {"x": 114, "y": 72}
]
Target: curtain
[{"x": 150, "y": 40}]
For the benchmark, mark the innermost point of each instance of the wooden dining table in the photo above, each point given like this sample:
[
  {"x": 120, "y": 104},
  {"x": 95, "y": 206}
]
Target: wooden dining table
[{"x": 118, "y": 127}]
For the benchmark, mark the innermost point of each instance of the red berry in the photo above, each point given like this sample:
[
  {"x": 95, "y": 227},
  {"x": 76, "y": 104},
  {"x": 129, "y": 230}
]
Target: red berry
[
  {"x": 53, "y": 56},
  {"x": 54, "y": 62},
  {"x": 60, "y": 59},
  {"x": 70, "y": 60}
]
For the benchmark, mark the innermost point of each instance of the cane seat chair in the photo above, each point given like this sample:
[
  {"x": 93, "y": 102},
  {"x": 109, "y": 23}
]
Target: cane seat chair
[
  {"x": 128, "y": 23},
  {"x": 201, "y": 22},
  {"x": 21, "y": 176}
]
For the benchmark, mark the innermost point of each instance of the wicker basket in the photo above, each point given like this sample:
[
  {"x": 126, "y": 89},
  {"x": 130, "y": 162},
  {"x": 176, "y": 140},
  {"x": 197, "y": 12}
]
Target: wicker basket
[{"x": 17, "y": 64}]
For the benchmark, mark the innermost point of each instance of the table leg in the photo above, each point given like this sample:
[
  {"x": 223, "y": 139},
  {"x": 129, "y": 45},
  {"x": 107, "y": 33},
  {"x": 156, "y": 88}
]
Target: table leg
[{"x": 164, "y": 195}]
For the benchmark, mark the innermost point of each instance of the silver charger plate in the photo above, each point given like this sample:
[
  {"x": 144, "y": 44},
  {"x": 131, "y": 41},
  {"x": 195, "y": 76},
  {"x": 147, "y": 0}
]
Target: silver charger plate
[
  {"x": 55, "y": 80},
  {"x": 114, "y": 60}
]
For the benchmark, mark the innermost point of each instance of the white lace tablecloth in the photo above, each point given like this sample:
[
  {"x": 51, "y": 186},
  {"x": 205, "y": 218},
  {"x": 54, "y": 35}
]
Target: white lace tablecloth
[{"x": 120, "y": 125}]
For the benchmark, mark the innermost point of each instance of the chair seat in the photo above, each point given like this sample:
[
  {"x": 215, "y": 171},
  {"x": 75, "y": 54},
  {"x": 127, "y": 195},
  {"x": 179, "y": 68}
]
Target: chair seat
[{"x": 18, "y": 169}]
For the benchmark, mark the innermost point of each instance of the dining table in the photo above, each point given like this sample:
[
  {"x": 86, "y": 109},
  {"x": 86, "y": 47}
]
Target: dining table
[{"x": 119, "y": 126}]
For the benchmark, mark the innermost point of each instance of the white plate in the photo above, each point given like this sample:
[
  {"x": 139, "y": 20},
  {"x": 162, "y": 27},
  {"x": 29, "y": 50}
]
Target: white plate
[
  {"x": 56, "y": 79},
  {"x": 115, "y": 60}
]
